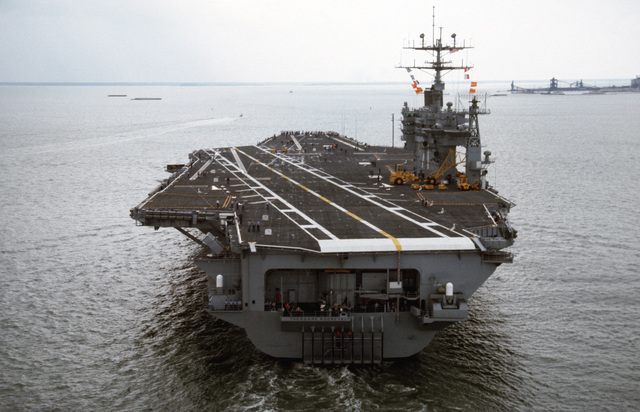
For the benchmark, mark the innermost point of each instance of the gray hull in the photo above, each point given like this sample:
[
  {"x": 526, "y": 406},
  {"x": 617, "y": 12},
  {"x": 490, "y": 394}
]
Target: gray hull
[
  {"x": 361, "y": 335},
  {"x": 330, "y": 250}
]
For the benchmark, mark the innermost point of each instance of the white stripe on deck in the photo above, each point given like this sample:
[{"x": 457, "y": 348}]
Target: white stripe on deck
[
  {"x": 296, "y": 142},
  {"x": 393, "y": 240},
  {"x": 395, "y": 209},
  {"x": 346, "y": 143},
  {"x": 202, "y": 169},
  {"x": 385, "y": 245},
  {"x": 239, "y": 161},
  {"x": 272, "y": 195}
]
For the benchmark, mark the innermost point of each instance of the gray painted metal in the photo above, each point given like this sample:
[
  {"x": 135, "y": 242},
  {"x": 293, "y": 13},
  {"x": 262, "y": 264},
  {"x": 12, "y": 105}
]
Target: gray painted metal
[{"x": 319, "y": 258}]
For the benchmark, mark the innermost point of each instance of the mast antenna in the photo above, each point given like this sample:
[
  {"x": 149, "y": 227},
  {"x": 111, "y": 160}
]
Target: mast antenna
[{"x": 433, "y": 27}]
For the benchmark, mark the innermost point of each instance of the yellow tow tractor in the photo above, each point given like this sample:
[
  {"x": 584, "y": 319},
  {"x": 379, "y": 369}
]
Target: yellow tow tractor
[
  {"x": 275, "y": 149},
  {"x": 401, "y": 176},
  {"x": 463, "y": 182}
]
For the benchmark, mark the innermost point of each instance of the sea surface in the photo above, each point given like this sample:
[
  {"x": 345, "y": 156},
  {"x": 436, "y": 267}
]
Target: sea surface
[{"x": 99, "y": 314}]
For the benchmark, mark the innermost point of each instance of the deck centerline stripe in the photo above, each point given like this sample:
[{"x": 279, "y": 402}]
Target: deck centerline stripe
[
  {"x": 316, "y": 194},
  {"x": 395, "y": 241},
  {"x": 227, "y": 164},
  {"x": 368, "y": 197},
  {"x": 313, "y": 225}
]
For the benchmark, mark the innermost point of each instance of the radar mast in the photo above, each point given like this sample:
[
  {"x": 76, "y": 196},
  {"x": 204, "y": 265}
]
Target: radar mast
[{"x": 434, "y": 131}]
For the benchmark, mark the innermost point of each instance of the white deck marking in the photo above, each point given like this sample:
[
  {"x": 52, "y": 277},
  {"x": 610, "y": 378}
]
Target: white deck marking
[
  {"x": 395, "y": 209},
  {"x": 346, "y": 143},
  {"x": 202, "y": 169},
  {"x": 296, "y": 142},
  {"x": 227, "y": 164},
  {"x": 384, "y": 245},
  {"x": 239, "y": 162},
  {"x": 396, "y": 244}
]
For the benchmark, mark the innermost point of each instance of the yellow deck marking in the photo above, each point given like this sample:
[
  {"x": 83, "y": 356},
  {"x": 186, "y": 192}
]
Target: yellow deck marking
[
  {"x": 393, "y": 239},
  {"x": 358, "y": 218},
  {"x": 353, "y": 216}
]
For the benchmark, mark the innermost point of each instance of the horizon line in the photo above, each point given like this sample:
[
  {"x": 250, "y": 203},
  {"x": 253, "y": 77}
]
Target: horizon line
[{"x": 258, "y": 83}]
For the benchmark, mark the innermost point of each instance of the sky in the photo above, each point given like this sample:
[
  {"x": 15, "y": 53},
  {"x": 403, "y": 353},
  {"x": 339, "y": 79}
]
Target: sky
[{"x": 311, "y": 41}]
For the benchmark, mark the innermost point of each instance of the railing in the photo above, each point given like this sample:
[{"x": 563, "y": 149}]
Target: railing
[
  {"x": 328, "y": 313},
  {"x": 229, "y": 308},
  {"x": 302, "y": 315},
  {"x": 497, "y": 257},
  {"x": 213, "y": 305}
]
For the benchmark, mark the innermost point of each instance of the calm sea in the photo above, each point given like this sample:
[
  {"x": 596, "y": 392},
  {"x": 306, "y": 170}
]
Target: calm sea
[{"x": 98, "y": 314}]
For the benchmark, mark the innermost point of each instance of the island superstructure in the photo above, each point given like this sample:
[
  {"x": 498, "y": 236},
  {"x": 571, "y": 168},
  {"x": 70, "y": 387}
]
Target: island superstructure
[{"x": 333, "y": 251}]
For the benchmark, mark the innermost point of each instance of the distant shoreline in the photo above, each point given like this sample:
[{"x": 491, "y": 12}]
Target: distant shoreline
[
  {"x": 616, "y": 82},
  {"x": 188, "y": 84}
]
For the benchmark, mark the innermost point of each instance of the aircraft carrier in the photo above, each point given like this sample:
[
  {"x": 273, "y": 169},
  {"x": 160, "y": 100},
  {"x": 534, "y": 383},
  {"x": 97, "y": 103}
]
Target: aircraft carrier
[{"x": 328, "y": 250}]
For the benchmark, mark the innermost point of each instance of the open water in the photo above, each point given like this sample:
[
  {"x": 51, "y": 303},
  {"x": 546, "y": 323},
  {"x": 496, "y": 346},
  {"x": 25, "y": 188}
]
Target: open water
[{"x": 98, "y": 314}]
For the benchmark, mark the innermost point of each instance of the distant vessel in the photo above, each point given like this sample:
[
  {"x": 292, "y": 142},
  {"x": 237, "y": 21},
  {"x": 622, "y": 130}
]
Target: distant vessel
[
  {"x": 329, "y": 250},
  {"x": 577, "y": 86},
  {"x": 147, "y": 98}
]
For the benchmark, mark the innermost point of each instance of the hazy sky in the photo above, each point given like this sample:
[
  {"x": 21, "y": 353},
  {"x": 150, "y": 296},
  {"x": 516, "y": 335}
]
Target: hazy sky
[{"x": 301, "y": 40}]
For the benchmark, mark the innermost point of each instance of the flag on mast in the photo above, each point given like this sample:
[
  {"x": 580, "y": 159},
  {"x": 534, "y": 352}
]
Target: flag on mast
[
  {"x": 415, "y": 84},
  {"x": 473, "y": 85}
]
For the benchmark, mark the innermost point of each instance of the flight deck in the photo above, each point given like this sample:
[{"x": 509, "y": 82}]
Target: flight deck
[{"x": 316, "y": 191}]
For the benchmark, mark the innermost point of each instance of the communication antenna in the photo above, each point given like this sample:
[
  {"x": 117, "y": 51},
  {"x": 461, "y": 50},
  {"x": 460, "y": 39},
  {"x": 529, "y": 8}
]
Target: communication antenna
[{"x": 433, "y": 27}]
